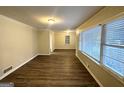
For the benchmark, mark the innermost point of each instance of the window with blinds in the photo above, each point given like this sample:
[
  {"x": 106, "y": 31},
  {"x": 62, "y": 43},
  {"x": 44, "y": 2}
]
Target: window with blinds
[
  {"x": 90, "y": 42},
  {"x": 106, "y": 45},
  {"x": 113, "y": 47}
]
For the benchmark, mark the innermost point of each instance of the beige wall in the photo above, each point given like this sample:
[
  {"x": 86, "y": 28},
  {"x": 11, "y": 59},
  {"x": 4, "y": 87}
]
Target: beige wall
[
  {"x": 60, "y": 40},
  {"x": 18, "y": 43},
  {"x": 44, "y": 42},
  {"x": 103, "y": 76}
]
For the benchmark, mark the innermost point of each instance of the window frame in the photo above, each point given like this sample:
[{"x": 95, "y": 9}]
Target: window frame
[{"x": 103, "y": 33}]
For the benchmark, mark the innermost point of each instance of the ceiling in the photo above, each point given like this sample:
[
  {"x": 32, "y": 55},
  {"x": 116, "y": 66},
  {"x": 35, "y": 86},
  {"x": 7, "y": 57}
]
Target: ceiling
[{"x": 66, "y": 17}]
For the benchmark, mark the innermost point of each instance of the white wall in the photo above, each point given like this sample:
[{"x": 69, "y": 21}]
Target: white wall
[{"x": 18, "y": 43}]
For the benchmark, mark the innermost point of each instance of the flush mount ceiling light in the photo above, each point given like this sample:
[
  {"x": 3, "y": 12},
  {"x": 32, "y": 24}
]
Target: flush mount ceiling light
[{"x": 51, "y": 21}]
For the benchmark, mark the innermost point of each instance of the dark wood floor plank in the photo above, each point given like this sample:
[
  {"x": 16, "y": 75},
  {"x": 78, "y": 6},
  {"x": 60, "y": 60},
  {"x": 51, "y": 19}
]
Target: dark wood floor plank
[{"x": 61, "y": 69}]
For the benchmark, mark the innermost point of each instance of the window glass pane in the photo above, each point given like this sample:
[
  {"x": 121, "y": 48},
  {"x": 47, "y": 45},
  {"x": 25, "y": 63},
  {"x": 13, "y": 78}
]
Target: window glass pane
[
  {"x": 114, "y": 58},
  {"x": 90, "y": 40}
]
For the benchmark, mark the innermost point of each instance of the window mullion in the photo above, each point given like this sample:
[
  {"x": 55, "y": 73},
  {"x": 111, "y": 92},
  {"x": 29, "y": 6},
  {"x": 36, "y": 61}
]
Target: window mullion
[{"x": 102, "y": 43}]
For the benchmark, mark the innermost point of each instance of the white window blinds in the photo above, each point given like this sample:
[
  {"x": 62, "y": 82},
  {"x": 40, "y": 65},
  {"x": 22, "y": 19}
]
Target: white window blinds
[
  {"x": 90, "y": 42},
  {"x": 113, "y": 47},
  {"x": 106, "y": 45}
]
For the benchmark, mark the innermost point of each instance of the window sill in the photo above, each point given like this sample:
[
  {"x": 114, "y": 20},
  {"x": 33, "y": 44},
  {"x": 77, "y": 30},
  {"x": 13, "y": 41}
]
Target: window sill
[{"x": 95, "y": 61}]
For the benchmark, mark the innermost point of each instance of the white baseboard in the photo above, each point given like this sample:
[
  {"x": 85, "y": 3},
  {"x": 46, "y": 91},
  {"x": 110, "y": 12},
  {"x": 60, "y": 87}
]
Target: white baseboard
[
  {"x": 6, "y": 74},
  {"x": 43, "y": 54},
  {"x": 53, "y": 50},
  {"x": 100, "y": 84},
  {"x": 65, "y": 48}
]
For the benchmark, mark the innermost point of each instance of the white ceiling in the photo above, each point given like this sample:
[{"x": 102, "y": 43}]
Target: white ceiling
[{"x": 66, "y": 17}]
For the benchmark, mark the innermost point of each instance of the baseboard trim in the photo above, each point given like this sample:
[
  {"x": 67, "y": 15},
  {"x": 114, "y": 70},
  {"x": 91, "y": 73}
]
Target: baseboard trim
[
  {"x": 43, "y": 54},
  {"x": 6, "y": 74},
  {"x": 64, "y": 49},
  {"x": 100, "y": 84}
]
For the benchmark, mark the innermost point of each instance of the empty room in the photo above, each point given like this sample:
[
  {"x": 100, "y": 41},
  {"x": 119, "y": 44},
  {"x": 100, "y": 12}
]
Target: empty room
[{"x": 61, "y": 46}]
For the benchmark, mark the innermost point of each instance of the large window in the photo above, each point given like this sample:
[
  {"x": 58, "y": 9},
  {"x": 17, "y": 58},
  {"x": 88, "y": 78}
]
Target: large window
[
  {"x": 113, "y": 47},
  {"x": 90, "y": 42},
  {"x": 106, "y": 45}
]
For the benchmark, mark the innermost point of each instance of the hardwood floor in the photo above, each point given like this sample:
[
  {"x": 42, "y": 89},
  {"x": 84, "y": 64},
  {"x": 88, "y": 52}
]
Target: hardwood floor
[{"x": 61, "y": 69}]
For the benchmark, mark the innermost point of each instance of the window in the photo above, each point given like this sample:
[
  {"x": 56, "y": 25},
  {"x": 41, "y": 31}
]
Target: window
[
  {"x": 113, "y": 47},
  {"x": 90, "y": 42},
  {"x": 67, "y": 39},
  {"x": 105, "y": 44}
]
